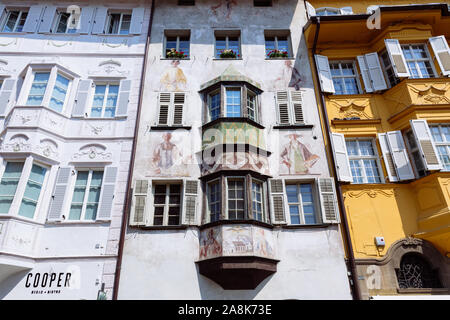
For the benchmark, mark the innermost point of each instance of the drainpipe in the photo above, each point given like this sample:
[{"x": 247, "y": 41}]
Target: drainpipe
[
  {"x": 133, "y": 153},
  {"x": 348, "y": 243}
]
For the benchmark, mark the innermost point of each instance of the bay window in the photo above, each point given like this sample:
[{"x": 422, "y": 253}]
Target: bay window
[
  {"x": 214, "y": 200},
  {"x": 441, "y": 138},
  {"x": 14, "y": 21},
  {"x": 214, "y": 105},
  {"x": 415, "y": 154},
  {"x": 418, "y": 61},
  {"x": 86, "y": 195},
  {"x": 105, "y": 100},
  {"x": 233, "y": 102},
  {"x": 236, "y": 199}
]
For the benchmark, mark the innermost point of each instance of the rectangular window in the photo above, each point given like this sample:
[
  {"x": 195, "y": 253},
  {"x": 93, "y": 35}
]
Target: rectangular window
[
  {"x": 62, "y": 23},
  {"x": 167, "y": 204},
  {"x": 228, "y": 44},
  {"x": 257, "y": 200},
  {"x": 15, "y": 20},
  {"x": 32, "y": 191},
  {"x": 105, "y": 100},
  {"x": 86, "y": 195},
  {"x": 301, "y": 203},
  {"x": 8, "y": 185},
  {"x": 388, "y": 69},
  {"x": 59, "y": 93},
  {"x": 251, "y": 106},
  {"x": 233, "y": 102},
  {"x": 363, "y": 161},
  {"x": 441, "y": 138},
  {"x": 214, "y": 200},
  {"x": 236, "y": 199},
  {"x": 118, "y": 23},
  {"x": 214, "y": 106},
  {"x": 177, "y": 44},
  {"x": 38, "y": 88},
  {"x": 415, "y": 153},
  {"x": 277, "y": 43},
  {"x": 345, "y": 78},
  {"x": 418, "y": 61}
]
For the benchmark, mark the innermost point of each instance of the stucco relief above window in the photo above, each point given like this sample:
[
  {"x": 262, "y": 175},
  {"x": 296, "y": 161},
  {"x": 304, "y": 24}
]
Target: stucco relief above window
[{"x": 92, "y": 152}]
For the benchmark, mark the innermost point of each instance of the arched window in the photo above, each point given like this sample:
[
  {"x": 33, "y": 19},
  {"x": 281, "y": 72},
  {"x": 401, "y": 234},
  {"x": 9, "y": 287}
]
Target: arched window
[{"x": 416, "y": 272}]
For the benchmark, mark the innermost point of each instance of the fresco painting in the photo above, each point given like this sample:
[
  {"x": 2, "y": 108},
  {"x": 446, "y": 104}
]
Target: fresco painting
[
  {"x": 235, "y": 161},
  {"x": 173, "y": 79},
  {"x": 296, "y": 156}
]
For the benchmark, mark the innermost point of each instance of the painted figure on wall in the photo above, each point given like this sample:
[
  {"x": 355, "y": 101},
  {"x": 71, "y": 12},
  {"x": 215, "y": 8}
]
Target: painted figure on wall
[
  {"x": 296, "y": 156},
  {"x": 210, "y": 246},
  {"x": 168, "y": 158},
  {"x": 173, "y": 78},
  {"x": 228, "y": 4}
]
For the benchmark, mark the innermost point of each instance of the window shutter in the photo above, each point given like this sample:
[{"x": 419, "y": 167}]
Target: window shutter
[
  {"x": 310, "y": 9},
  {"x": 328, "y": 201},
  {"x": 138, "y": 208},
  {"x": 137, "y": 18},
  {"x": 277, "y": 201},
  {"x": 6, "y": 95},
  {"x": 442, "y": 53},
  {"x": 387, "y": 157},
  {"x": 282, "y": 101},
  {"x": 100, "y": 20},
  {"x": 346, "y": 10},
  {"x": 107, "y": 194},
  {"x": 426, "y": 145},
  {"x": 2, "y": 10},
  {"x": 164, "y": 106},
  {"x": 59, "y": 194},
  {"x": 400, "y": 155},
  {"x": 33, "y": 18},
  {"x": 365, "y": 73},
  {"x": 296, "y": 101},
  {"x": 47, "y": 19},
  {"x": 375, "y": 72},
  {"x": 397, "y": 58},
  {"x": 81, "y": 99},
  {"x": 190, "y": 202},
  {"x": 124, "y": 98},
  {"x": 86, "y": 19},
  {"x": 341, "y": 158},
  {"x": 179, "y": 102},
  {"x": 325, "y": 79}
]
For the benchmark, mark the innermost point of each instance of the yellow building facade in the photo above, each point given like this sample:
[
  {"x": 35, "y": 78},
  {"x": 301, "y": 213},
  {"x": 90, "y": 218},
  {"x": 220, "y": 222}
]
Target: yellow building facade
[{"x": 383, "y": 76}]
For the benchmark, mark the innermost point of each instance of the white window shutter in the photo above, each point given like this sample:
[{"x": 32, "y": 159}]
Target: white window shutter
[
  {"x": 86, "y": 19},
  {"x": 375, "y": 71},
  {"x": 105, "y": 205},
  {"x": 178, "y": 108},
  {"x": 346, "y": 10},
  {"x": 165, "y": 101},
  {"x": 426, "y": 145},
  {"x": 365, "y": 73},
  {"x": 297, "y": 107},
  {"x": 325, "y": 78},
  {"x": 277, "y": 201},
  {"x": 442, "y": 53},
  {"x": 79, "y": 108},
  {"x": 400, "y": 155},
  {"x": 189, "y": 210},
  {"x": 100, "y": 20},
  {"x": 282, "y": 101},
  {"x": 59, "y": 194},
  {"x": 341, "y": 157},
  {"x": 328, "y": 201},
  {"x": 387, "y": 157},
  {"x": 310, "y": 9},
  {"x": 137, "y": 19},
  {"x": 397, "y": 58},
  {"x": 47, "y": 19},
  {"x": 33, "y": 18},
  {"x": 123, "y": 98},
  {"x": 6, "y": 95},
  {"x": 139, "y": 206}
]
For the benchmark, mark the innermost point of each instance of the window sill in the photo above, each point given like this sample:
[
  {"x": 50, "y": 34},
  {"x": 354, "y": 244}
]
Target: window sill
[
  {"x": 114, "y": 35},
  {"x": 306, "y": 226},
  {"x": 77, "y": 222},
  {"x": 227, "y": 59},
  {"x": 281, "y": 58},
  {"x": 14, "y": 33},
  {"x": 176, "y": 59},
  {"x": 170, "y": 127},
  {"x": 156, "y": 228},
  {"x": 294, "y": 126},
  {"x": 59, "y": 34},
  {"x": 97, "y": 119},
  {"x": 6, "y": 216}
]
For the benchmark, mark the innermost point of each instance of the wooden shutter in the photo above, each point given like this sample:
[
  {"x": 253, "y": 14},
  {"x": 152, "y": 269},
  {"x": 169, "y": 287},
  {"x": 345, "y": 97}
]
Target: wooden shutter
[
  {"x": 328, "y": 201},
  {"x": 79, "y": 108},
  {"x": 387, "y": 157},
  {"x": 165, "y": 100},
  {"x": 310, "y": 9},
  {"x": 277, "y": 201},
  {"x": 123, "y": 98},
  {"x": 442, "y": 53},
  {"x": 6, "y": 95},
  {"x": 86, "y": 19},
  {"x": 375, "y": 71},
  {"x": 178, "y": 107},
  {"x": 59, "y": 194},
  {"x": 325, "y": 78},
  {"x": 137, "y": 18},
  {"x": 100, "y": 20},
  {"x": 190, "y": 202},
  {"x": 397, "y": 58},
  {"x": 341, "y": 158},
  {"x": 297, "y": 107},
  {"x": 138, "y": 207},
  {"x": 47, "y": 19},
  {"x": 365, "y": 73},
  {"x": 426, "y": 145},
  {"x": 400, "y": 155},
  {"x": 33, "y": 18},
  {"x": 282, "y": 101},
  {"x": 107, "y": 194}
]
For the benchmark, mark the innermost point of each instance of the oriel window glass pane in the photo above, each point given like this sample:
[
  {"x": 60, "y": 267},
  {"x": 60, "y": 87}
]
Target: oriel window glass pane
[
  {"x": 32, "y": 191},
  {"x": 233, "y": 102},
  {"x": 38, "y": 87},
  {"x": 59, "y": 93},
  {"x": 8, "y": 184}
]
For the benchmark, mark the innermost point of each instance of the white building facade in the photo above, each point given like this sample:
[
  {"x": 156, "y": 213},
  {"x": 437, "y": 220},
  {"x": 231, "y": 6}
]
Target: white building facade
[
  {"x": 70, "y": 75},
  {"x": 232, "y": 196}
]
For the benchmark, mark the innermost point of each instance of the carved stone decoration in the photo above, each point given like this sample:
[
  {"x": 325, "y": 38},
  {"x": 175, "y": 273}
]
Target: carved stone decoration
[
  {"x": 110, "y": 68},
  {"x": 123, "y": 42},
  {"x": 349, "y": 108},
  {"x": 97, "y": 128},
  {"x": 24, "y": 117},
  {"x": 92, "y": 152},
  {"x": 53, "y": 121},
  {"x": 431, "y": 94},
  {"x": 58, "y": 44},
  {"x": 411, "y": 242},
  {"x": 17, "y": 143},
  {"x": 12, "y": 42},
  {"x": 371, "y": 193},
  {"x": 48, "y": 148}
]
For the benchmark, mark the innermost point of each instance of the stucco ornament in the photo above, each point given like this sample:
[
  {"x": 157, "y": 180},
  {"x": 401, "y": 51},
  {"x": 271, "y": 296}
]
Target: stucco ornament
[
  {"x": 352, "y": 108},
  {"x": 412, "y": 242},
  {"x": 432, "y": 94},
  {"x": 91, "y": 153},
  {"x": 371, "y": 193}
]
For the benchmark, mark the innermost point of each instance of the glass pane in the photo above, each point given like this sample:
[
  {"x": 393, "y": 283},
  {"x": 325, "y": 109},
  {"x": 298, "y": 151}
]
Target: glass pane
[
  {"x": 27, "y": 208},
  {"x": 8, "y": 184},
  {"x": 78, "y": 194},
  {"x": 351, "y": 86},
  {"x": 184, "y": 46},
  {"x": 215, "y": 106},
  {"x": 437, "y": 137},
  {"x": 94, "y": 195},
  {"x": 339, "y": 85},
  {"x": 270, "y": 44},
  {"x": 220, "y": 45},
  {"x": 283, "y": 44},
  {"x": 233, "y": 44},
  {"x": 366, "y": 148},
  {"x": 82, "y": 177},
  {"x": 97, "y": 178},
  {"x": 62, "y": 24},
  {"x": 91, "y": 212},
  {"x": 233, "y": 101},
  {"x": 347, "y": 69},
  {"x": 75, "y": 212},
  {"x": 12, "y": 19},
  {"x": 126, "y": 21},
  {"x": 292, "y": 194},
  {"x": 352, "y": 147}
]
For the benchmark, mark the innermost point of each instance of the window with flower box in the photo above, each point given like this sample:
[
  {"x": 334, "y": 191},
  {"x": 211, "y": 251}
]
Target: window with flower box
[
  {"x": 177, "y": 44},
  {"x": 278, "y": 44},
  {"x": 228, "y": 44}
]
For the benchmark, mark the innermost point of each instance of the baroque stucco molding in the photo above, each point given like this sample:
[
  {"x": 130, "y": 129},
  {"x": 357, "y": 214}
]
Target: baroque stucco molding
[
  {"x": 431, "y": 93},
  {"x": 373, "y": 193},
  {"x": 352, "y": 107}
]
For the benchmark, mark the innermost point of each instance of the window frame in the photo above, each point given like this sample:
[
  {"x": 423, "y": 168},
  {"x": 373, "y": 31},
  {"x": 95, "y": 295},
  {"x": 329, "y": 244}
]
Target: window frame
[
  {"x": 178, "y": 34},
  {"x": 414, "y": 154},
  {"x": 209, "y": 203},
  {"x": 107, "y": 83},
  {"x": 356, "y": 76},
  {"x": 264, "y": 208},
  {"x": 109, "y": 19},
  {"x": 233, "y": 88},
  {"x": 276, "y": 34},
  {"x": 428, "y": 59},
  {"x": 316, "y": 202},
  {"x": 167, "y": 184},
  {"x": 375, "y": 157},
  {"x": 388, "y": 67},
  {"x": 59, "y": 13},
  {"x": 5, "y": 19},
  {"x": 444, "y": 143},
  {"x": 227, "y": 34}
]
